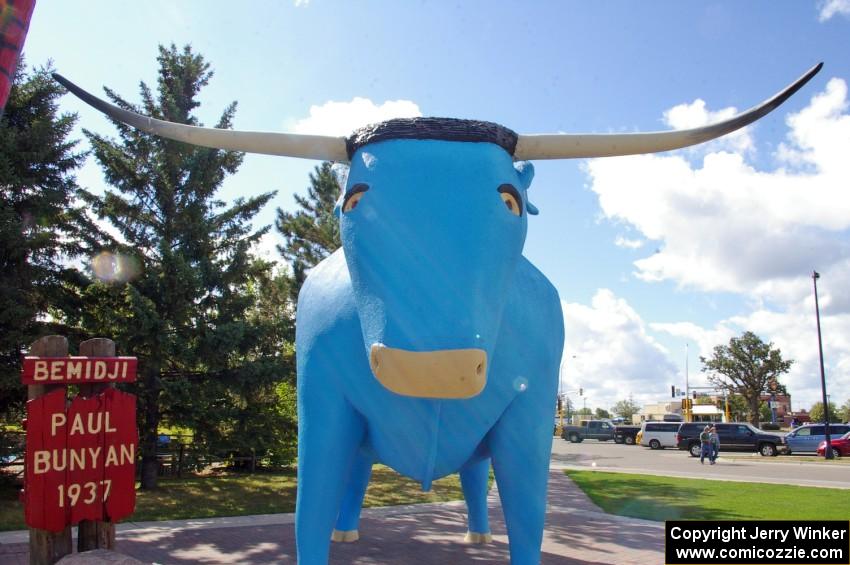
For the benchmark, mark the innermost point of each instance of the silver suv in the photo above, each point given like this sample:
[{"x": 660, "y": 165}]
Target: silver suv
[{"x": 809, "y": 436}]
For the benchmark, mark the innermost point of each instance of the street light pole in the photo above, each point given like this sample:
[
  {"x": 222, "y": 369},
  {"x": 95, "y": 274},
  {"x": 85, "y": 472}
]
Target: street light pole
[
  {"x": 827, "y": 452},
  {"x": 561, "y": 394},
  {"x": 688, "y": 399}
]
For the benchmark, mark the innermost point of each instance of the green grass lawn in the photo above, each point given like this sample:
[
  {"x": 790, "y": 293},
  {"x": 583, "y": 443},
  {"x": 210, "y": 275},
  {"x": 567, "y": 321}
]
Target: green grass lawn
[
  {"x": 238, "y": 494},
  {"x": 665, "y": 498}
]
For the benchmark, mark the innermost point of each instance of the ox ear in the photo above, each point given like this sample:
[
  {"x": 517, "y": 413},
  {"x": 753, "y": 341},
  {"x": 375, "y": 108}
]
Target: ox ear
[
  {"x": 525, "y": 170},
  {"x": 340, "y": 173}
]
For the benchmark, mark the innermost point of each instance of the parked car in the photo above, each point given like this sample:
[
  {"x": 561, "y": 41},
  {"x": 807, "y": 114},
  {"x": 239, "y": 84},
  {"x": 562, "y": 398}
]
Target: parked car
[
  {"x": 589, "y": 429},
  {"x": 658, "y": 435},
  {"x": 625, "y": 434},
  {"x": 734, "y": 436},
  {"x": 840, "y": 446},
  {"x": 809, "y": 436}
]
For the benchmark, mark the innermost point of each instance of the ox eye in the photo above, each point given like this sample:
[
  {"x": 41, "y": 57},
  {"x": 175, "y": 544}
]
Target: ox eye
[
  {"x": 353, "y": 197},
  {"x": 511, "y": 198}
]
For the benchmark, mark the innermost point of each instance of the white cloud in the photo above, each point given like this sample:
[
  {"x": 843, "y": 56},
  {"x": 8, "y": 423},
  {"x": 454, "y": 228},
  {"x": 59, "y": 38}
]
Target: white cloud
[
  {"x": 694, "y": 115},
  {"x": 609, "y": 354},
  {"x": 701, "y": 341},
  {"x": 726, "y": 226},
  {"x": 628, "y": 243},
  {"x": 820, "y": 133},
  {"x": 829, "y": 8},
  {"x": 794, "y": 332},
  {"x": 266, "y": 247},
  {"x": 341, "y": 118}
]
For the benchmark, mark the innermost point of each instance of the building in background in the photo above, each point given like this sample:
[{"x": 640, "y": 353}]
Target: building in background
[
  {"x": 708, "y": 413},
  {"x": 660, "y": 412}
]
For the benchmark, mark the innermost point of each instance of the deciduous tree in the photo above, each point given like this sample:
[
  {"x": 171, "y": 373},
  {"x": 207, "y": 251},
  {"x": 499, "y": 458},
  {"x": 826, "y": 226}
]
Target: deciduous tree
[
  {"x": 845, "y": 411},
  {"x": 746, "y": 366},
  {"x": 738, "y": 408},
  {"x": 626, "y": 408},
  {"x": 816, "y": 413}
]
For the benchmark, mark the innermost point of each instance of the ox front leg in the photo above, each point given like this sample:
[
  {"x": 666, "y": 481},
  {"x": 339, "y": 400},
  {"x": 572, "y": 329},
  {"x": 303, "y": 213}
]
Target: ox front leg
[
  {"x": 346, "y": 529},
  {"x": 329, "y": 438},
  {"x": 521, "y": 444},
  {"x": 473, "y": 481}
]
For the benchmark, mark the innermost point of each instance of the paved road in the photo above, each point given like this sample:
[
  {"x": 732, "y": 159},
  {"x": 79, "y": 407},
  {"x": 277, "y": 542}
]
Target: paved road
[
  {"x": 672, "y": 462},
  {"x": 577, "y": 533}
]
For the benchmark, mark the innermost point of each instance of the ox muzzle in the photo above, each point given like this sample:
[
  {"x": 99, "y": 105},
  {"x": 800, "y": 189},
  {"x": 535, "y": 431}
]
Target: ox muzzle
[{"x": 447, "y": 373}]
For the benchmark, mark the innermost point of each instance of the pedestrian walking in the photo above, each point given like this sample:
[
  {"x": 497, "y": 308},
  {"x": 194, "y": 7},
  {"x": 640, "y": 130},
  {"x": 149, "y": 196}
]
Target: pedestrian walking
[
  {"x": 705, "y": 444},
  {"x": 714, "y": 439}
]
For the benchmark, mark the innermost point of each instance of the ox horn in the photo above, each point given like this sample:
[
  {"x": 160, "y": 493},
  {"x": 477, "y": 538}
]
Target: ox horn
[
  {"x": 567, "y": 146},
  {"x": 320, "y": 147}
]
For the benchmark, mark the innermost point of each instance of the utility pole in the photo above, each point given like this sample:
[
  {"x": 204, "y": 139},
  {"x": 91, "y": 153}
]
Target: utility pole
[
  {"x": 827, "y": 452},
  {"x": 688, "y": 400},
  {"x": 561, "y": 395}
]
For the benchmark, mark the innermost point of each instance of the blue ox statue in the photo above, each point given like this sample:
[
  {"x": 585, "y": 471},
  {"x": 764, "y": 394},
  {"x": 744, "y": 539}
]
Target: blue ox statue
[{"x": 428, "y": 342}]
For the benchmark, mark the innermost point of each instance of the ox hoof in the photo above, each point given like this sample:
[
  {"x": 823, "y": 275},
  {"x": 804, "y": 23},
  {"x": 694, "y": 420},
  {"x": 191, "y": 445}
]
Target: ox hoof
[
  {"x": 475, "y": 537},
  {"x": 345, "y": 535}
]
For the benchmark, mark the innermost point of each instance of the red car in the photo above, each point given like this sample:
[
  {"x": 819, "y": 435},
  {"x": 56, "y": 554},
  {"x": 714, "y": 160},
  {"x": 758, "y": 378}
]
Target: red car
[{"x": 840, "y": 446}]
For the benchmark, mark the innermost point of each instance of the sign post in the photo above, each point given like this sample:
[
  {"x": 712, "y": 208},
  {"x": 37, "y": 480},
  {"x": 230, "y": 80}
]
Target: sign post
[
  {"x": 47, "y": 547},
  {"x": 95, "y": 534},
  {"x": 81, "y": 454}
]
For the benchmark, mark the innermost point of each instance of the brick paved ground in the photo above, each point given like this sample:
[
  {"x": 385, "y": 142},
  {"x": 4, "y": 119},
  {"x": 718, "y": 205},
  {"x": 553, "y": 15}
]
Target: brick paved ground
[{"x": 577, "y": 532}]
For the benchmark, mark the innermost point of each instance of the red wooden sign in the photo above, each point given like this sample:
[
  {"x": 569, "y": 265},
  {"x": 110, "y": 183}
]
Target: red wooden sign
[
  {"x": 78, "y": 370},
  {"x": 80, "y": 460}
]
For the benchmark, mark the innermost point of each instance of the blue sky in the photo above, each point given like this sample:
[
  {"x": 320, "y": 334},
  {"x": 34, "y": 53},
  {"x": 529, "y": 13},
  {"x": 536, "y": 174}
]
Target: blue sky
[{"x": 656, "y": 258}]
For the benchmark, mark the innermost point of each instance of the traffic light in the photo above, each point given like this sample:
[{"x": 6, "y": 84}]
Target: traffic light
[
  {"x": 672, "y": 391},
  {"x": 695, "y": 395},
  {"x": 581, "y": 392}
]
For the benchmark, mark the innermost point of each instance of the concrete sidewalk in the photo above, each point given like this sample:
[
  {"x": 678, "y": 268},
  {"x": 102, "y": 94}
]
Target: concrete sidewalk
[{"x": 577, "y": 532}]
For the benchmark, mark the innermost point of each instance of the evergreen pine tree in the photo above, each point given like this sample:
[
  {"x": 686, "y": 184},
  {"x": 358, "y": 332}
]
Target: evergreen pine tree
[
  {"x": 311, "y": 233},
  {"x": 176, "y": 292},
  {"x": 43, "y": 228}
]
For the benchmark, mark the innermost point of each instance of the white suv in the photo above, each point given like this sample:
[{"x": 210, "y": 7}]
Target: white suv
[{"x": 659, "y": 435}]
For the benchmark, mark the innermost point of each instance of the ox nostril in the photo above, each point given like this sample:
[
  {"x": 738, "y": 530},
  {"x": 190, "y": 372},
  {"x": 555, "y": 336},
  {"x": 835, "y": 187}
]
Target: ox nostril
[{"x": 375, "y": 358}]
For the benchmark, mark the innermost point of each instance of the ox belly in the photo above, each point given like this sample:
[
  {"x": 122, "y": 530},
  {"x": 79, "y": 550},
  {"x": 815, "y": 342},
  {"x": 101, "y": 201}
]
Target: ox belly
[{"x": 433, "y": 439}]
